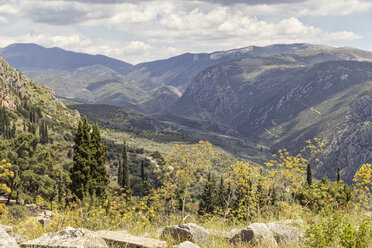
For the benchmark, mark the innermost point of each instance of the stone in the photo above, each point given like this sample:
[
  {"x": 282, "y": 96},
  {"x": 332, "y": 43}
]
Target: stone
[
  {"x": 284, "y": 234},
  {"x": 186, "y": 232},
  {"x": 43, "y": 221},
  {"x": 231, "y": 234},
  {"x": 68, "y": 238},
  {"x": 186, "y": 244},
  {"x": 7, "y": 229},
  {"x": 7, "y": 241},
  {"x": 124, "y": 239},
  {"x": 255, "y": 233}
]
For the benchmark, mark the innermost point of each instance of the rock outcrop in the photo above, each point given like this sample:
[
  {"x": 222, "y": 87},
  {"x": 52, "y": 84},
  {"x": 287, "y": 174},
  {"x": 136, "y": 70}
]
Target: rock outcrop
[
  {"x": 186, "y": 232},
  {"x": 68, "y": 238},
  {"x": 124, "y": 239}
]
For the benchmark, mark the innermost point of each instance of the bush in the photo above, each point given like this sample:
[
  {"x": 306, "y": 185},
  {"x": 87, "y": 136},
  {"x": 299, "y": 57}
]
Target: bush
[
  {"x": 338, "y": 227},
  {"x": 19, "y": 211}
]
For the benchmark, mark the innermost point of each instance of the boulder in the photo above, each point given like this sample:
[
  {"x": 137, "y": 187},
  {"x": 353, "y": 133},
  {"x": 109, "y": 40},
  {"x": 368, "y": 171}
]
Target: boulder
[
  {"x": 255, "y": 233},
  {"x": 68, "y": 238},
  {"x": 186, "y": 232},
  {"x": 7, "y": 241},
  {"x": 186, "y": 244},
  {"x": 284, "y": 234},
  {"x": 124, "y": 239}
]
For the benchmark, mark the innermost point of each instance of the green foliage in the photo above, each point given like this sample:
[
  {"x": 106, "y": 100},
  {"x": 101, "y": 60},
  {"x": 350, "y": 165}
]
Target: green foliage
[
  {"x": 124, "y": 173},
  {"x": 321, "y": 194},
  {"x": 309, "y": 175},
  {"x": 43, "y": 132},
  {"x": 89, "y": 175},
  {"x": 208, "y": 200},
  {"x": 335, "y": 227}
]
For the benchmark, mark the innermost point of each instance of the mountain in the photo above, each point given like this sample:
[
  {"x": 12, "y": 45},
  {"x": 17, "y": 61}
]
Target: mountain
[
  {"x": 147, "y": 87},
  {"x": 32, "y": 57},
  {"x": 23, "y": 96},
  {"x": 180, "y": 70},
  {"x": 282, "y": 100}
]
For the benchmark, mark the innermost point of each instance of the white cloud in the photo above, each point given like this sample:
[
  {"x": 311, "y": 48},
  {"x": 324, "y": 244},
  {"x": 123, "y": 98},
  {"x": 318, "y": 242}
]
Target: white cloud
[{"x": 143, "y": 30}]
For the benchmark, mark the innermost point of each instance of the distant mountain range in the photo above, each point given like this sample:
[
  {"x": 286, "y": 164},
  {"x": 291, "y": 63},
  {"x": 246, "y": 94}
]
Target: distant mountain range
[
  {"x": 146, "y": 87},
  {"x": 251, "y": 101}
]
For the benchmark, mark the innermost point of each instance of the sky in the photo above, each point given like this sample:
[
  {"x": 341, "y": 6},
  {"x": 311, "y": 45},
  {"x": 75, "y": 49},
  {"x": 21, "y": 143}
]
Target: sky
[{"x": 143, "y": 30}]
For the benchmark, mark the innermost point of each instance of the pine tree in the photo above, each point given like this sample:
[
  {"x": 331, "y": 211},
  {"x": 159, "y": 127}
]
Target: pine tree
[
  {"x": 338, "y": 173},
  {"x": 309, "y": 175},
  {"x": 208, "y": 199},
  {"x": 99, "y": 175}
]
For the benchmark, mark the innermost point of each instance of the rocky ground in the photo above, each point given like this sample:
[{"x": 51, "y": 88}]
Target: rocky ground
[{"x": 187, "y": 235}]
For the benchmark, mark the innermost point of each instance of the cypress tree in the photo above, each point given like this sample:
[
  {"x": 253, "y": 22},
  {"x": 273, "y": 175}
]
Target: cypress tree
[
  {"x": 208, "y": 199},
  {"x": 80, "y": 172},
  {"x": 126, "y": 173},
  {"x": 142, "y": 171},
  {"x": 309, "y": 175},
  {"x": 221, "y": 200},
  {"x": 338, "y": 173},
  {"x": 41, "y": 132},
  {"x": 120, "y": 173},
  {"x": 13, "y": 131},
  {"x": 99, "y": 175},
  {"x": 45, "y": 132}
]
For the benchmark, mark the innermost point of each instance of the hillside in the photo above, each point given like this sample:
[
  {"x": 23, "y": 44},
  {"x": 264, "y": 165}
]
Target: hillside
[
  {"x": 282, "y": 100},
  {"x": 32, "y": 57},
  {"x": 21, "y": 95}
]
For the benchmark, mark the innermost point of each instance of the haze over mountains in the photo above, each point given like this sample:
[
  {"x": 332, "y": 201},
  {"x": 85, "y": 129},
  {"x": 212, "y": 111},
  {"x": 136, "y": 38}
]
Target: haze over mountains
[{"x": 268, "y": 97}]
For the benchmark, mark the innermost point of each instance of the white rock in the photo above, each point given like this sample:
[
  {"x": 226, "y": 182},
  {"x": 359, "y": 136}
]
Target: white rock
[
  {"x": 68, "y": 238},
  {"x": 7, "y": 241},
  {"x": 124, "y": 239}
]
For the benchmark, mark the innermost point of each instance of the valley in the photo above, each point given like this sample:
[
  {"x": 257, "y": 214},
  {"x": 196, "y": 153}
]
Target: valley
[{"x": 249, "y": 101}]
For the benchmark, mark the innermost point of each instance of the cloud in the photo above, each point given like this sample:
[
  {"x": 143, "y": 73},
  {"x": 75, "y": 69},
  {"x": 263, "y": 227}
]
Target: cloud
[{"x": 144, "y": 30}]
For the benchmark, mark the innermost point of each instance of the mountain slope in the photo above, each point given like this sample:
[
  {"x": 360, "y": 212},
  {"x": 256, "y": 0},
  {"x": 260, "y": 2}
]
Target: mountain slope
[
  {"x": 282, "y": 100},
  {"x": 20, "y": 94},
  {"x": 32, "y": 57},
  {"x": 147, "y": 87},
  {"x": 180, "y": 70}
]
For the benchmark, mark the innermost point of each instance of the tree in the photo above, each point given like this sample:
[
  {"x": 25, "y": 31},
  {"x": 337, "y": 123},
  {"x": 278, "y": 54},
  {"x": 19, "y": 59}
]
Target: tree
[
  {"x": 89, "y": 174},
  {"x": 363, "y": 183},
  {"x": 4, "y": 123},
  {"x": 338, "y": 173},
  {"x": 5, "y": 173},
  {"x": 125, "y": 173},
  {"x": 208, "y": 198},
  {"x": 179, "y": 173},
  {"x": 80, "y": 172},
  {"x": 99, "y": 173},
  {"x": 142, "y": 171},
  {"x": 309, "y": 175},
  {"x": 43, "y": 132},
  {"x": 120, "y": 173},
  {"x": 222, "y": 194}
]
